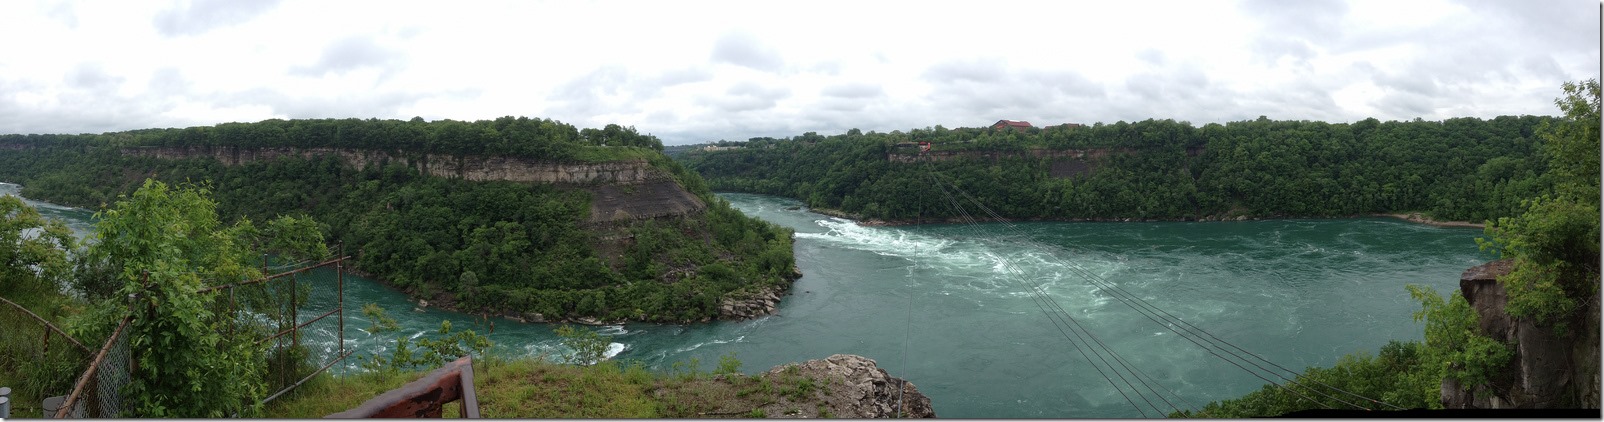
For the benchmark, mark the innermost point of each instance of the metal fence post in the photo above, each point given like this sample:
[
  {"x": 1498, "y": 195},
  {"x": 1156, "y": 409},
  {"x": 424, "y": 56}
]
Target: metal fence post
[
  {"x": 339, "y": 277},
  {"x": 5, "y": 402},
  {"x": 295, "y": 320}
]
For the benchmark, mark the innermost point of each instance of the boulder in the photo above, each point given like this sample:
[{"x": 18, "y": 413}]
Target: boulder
[{"x": 1549, "y": 369}]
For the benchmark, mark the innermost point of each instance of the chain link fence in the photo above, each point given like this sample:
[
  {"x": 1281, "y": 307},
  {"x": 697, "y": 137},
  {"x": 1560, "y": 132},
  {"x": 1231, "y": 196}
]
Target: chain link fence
[
  {"x": 96, "y": 394},
  {"x": 297, "y": 315},
  {"x": 36, "y": 357}
]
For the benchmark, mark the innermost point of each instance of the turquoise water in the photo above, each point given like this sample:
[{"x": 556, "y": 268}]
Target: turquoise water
[{"x": 936, "y": 305}]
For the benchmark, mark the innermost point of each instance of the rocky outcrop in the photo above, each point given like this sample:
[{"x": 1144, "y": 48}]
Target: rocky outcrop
[
  {"x": 620, "y": 190},
  {"x": 1549, "y": 370},
  {"x": 650, "y": 199},
  {"x": 747, "y": 305},
  {"x": 854, "y": 387}
]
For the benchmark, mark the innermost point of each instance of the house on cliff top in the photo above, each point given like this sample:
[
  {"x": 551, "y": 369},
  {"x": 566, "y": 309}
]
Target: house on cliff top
[{"x": 1011, "y": 124}]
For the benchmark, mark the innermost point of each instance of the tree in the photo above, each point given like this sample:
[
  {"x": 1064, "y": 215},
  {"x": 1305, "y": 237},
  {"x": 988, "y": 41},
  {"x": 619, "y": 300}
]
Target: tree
[
  {"x": 33, "y": 250},
  {"x": 163, "y": 245},
  {"x": 1554, "y": 243}
]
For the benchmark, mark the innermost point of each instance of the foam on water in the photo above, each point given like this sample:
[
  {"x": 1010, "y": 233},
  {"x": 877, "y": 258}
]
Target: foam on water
[{"x": 699, "y": 345}]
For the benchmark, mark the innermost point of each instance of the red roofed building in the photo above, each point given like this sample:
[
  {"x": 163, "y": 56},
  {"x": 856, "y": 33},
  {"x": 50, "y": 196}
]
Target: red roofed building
[{"x": 1013, "y": 124}]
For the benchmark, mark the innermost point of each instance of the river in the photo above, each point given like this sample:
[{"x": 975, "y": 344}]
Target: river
[{"x": 935, "y": 304}]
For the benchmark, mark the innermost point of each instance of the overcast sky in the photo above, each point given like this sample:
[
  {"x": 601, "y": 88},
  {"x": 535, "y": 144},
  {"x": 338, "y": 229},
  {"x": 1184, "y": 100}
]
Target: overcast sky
[{"x": 691, "y": 71}]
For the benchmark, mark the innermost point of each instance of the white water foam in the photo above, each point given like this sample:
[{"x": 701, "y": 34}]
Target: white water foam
[
  {"x": 699, "y": 345},
  {"x": 991, "y": 266}
]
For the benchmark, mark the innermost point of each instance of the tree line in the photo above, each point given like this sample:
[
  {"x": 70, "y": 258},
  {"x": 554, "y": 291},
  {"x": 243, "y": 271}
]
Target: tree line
[{"x": 1456, "y": 169}]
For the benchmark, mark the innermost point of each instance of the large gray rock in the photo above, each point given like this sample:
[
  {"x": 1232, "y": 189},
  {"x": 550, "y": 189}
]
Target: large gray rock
[
  {"x": 856, "y": 388},
  {"x": 1549, "y": 369}
]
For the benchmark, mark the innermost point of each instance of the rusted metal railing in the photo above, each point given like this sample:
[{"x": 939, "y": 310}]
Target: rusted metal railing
[
  {"x": 107, "y": 406},
  {"x": 425, "y": 397},
  {"x": 48, "y": 327}
]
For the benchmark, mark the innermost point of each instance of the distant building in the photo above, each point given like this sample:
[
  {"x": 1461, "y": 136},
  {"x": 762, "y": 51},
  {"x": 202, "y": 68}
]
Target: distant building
[
  {"x": 718, "y": 148},
  {"x": 1012, "y": 124}
]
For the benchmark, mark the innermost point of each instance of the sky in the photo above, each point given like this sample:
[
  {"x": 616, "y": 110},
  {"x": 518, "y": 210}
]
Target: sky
[{"x": 700, "y": 71}]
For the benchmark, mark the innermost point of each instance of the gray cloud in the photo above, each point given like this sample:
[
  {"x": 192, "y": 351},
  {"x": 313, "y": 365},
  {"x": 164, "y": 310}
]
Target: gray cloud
[
  {"x": 743, "y": 49},
  {"x": 87, "y": 102},
  {"x": 199, "y": 16},
  {"x": 1553, "y": 26},
  {"x": 747, "y": 96},
  {"x": 583, "y": 97},
  {"x": 1292, "y": 29},
  {"x": 62, "y": 12},
  {"x": 980, "y": 91},
  {"x": 91, "y": 77},
  {"x": 683, "y": 76},
  {"x": 854, "y": 90},
  {"x": 971, "y": 70},
  {"x": 353, "y": 53},
  {"x": 167, "y": 81},
  {"x": 294, "y": 106}
]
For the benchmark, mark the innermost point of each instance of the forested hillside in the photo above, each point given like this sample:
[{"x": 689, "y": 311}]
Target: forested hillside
[
  {"x": 525, "y": 249},
  {"x": 1457, "y": 169}
]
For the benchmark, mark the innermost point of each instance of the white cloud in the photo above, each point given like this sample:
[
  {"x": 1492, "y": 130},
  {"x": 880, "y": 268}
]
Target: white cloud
[{"x": 707, "y": 70}]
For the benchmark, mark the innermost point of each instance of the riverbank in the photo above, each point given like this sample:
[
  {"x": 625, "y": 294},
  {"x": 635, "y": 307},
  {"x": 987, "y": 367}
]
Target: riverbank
[
  {"x": 735, "y": 306},
  {"x": 873, "y": 222},
  {"x": 1417, "y": 218}
]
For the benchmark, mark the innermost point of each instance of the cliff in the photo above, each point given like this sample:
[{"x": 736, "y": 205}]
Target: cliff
[
  {"x": 853, "y": 387},
  {"x": 620, "y": 190},
  {"x": 1549, "y": 371}
]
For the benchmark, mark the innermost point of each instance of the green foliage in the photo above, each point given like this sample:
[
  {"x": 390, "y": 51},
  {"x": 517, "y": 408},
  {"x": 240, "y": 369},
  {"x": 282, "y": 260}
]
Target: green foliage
[
  {"x": 728, "y": 364},
  {"x": 1392, "y": 377},
  {"x": 160, "y": 246},
  {"x": 588, "y": 347},
  {"x": 1454, "y": 344},
  {"x": 34, "y": 266},
  {"x": 430, "y": 351},
  {"x": 33, "y": 251},
  {"x": 1554, "y": 242},
  {"x": 379, "y": 321},
  {"x": 1456, "y": 169}
]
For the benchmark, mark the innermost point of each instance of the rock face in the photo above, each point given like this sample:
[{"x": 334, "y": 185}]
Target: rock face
[
  {"x": 620, "y": 190},
  {"x": 750, "y": 305},
  {"x": 856, "y": 388},
  {"x": 1548, "y": 370}
]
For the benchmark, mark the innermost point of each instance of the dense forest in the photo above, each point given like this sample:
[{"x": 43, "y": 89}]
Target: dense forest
[
  {"x": 1456, "y": 169},
  {"x": 480, "y": 246}
]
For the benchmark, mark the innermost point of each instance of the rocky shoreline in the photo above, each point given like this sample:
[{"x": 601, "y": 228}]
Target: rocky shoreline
[{"x": 735, "y": 306}]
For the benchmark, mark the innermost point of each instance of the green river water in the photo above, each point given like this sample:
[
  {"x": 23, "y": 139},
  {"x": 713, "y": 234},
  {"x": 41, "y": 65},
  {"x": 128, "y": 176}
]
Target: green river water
[{"x": 935, "y": 304}]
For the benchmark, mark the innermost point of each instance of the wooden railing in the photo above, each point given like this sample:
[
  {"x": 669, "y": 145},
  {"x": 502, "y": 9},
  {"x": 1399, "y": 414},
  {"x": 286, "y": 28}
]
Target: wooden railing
[{"x": 425, "y": 397}]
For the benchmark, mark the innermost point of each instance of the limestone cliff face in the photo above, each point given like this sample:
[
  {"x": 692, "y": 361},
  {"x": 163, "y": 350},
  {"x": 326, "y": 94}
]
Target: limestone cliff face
[
  {"x": 620, "y": 191},
  {"x": 1548, "y": 371}
]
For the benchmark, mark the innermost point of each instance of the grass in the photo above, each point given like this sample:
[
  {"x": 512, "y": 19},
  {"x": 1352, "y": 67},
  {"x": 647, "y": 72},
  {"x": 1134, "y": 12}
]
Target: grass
[
  {"x": 534, "y": 388},
  {"x": 32, "y": 372}
]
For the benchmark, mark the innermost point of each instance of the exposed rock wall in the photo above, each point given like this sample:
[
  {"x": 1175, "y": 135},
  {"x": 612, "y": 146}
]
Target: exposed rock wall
[
  {"x": 1548, "y": 370},
  {"x": 620, "y": 191},
  {"x": 470, "y": 167},
  {"x": 857, "y": 388}
]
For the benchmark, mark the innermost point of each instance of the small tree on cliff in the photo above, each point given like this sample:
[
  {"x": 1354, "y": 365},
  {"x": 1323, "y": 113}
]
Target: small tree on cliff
[{"x": 1555, "y": 242}]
